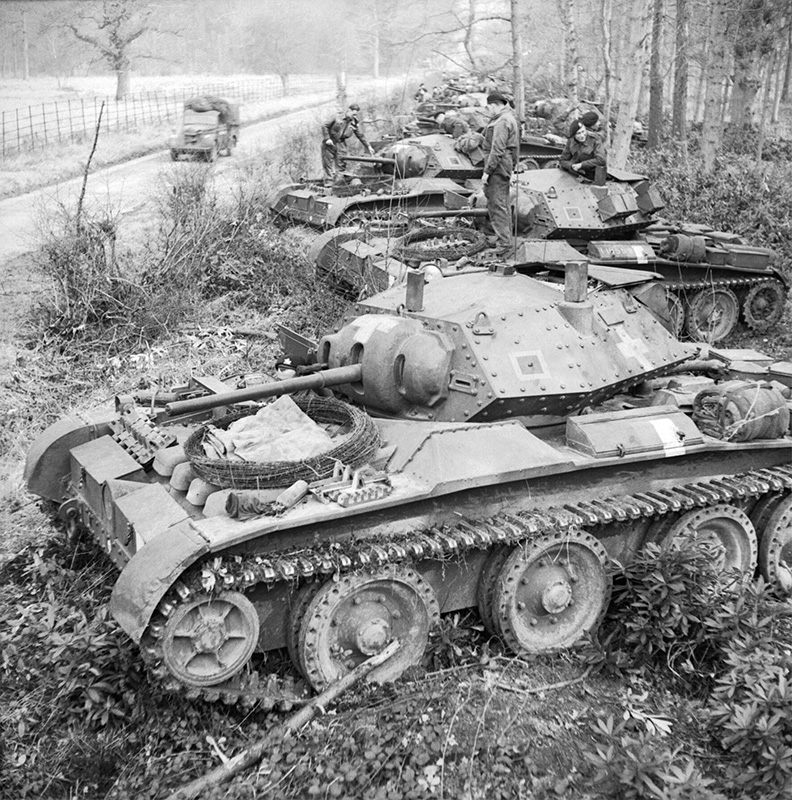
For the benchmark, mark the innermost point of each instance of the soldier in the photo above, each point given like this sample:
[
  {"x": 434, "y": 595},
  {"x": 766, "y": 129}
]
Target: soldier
[
  {"x": 501, "y": 148},
  {"x": 334, "y": 138},
  {"x": 584, "y": 151}
]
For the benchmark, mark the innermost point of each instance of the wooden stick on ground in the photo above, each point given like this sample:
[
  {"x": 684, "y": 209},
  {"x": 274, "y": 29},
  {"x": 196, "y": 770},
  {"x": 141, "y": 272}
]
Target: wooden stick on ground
[{"x": 295, "y": 722}]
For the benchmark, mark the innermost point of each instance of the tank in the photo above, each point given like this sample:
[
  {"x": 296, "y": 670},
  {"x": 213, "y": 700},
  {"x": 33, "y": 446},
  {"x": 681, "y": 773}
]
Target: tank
[
  {"x": 410, "y": 174},
  {"x": 426, "y": 172},
  {"x": 501, "y": 438},
  {"x": 714, "y": 279}
]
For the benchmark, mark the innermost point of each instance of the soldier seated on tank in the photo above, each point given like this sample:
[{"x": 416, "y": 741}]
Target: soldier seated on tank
[
  {"x": 583, "y": 152},
  {"x": 452, "y": 124}
]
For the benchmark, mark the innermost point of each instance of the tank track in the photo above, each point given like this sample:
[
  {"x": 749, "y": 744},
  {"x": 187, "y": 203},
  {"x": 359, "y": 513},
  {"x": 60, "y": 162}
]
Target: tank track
[
  {"x": 239, "y": 574},
  {"x": 726, "y": 283}
]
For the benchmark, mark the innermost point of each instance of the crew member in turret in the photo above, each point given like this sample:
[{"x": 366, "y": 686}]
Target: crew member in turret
[
  {"x": 335, "y": 134},
  {"x": 501, "y": 149},
  {"x": 583, "y": 152}
]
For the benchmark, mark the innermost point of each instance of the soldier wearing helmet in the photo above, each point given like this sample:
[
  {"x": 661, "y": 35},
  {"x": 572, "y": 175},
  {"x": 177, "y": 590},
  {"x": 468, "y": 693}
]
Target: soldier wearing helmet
[{"x": 334, "y": 140}]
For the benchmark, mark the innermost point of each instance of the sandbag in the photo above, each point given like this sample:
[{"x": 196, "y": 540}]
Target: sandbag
[{"x": 740, "y": 411}]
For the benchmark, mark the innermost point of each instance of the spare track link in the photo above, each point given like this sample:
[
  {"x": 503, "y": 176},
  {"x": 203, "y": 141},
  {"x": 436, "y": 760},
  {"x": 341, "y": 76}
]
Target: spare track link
[{"x": 239, "y": 574}]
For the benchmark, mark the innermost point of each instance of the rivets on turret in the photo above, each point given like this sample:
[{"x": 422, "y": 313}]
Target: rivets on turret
[
  {"x": 479, "y": 403},
  {"x": 489, "y": 394},
  {"x": 503, "y": 391},
  {"x": 560, "y": 346},
  {"x": 504, "y": 318},
  {"x": 494, "y": 374},
  {"x": 464, "y": 345},
  {"x": 542, "y": 387},
  {"x": 522, "y": 388},
  {"x": 466, "y": 413},
  {"x": 467, "y": 355},
  {"x": 485, "y": 358},
  {"x": 519, "y": 313}
]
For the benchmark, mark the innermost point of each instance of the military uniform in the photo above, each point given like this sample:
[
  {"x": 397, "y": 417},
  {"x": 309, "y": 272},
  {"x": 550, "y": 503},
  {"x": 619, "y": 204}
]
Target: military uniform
[
  {"x": 589, "y": 154},
  {"x": 501, "y": 149},
  {"x": 337, "y": 131}
]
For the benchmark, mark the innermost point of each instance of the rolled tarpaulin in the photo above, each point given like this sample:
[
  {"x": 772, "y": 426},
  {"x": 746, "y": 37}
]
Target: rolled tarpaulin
[{"x": 741, "y": 412}]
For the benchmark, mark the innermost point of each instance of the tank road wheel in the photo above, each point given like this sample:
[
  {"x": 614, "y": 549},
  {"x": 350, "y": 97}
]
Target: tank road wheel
[
  {"x": 210, "y": 638},
  {"x": 775, "y": 550},
  {"x": 551, "y": 592},
  {"x": 485, "y": 589},
  {"x": 354, "y": 618},
  {"x": 676, "y": 313},
  {"x": 712, "y": 314},
  {"x": 763, "y": 306},
  {"x": 726, "y": 528}
]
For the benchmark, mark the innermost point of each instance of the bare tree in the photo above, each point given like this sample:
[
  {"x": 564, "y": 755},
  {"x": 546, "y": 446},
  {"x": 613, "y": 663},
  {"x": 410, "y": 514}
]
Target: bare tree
[
  {"x": 679, "y": 115},
  {"x": 717, "y": 47},
  {"x": 517, "y": 59},
  {"x": 607, "y": 61},
  {"x": 656, "y": 79},
  {"x": 635, "y": 67},
  {"x": 572, "y": 62},
  {"x": 111, "y": 27}
]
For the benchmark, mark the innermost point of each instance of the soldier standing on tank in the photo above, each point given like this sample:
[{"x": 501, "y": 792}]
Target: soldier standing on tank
[
  {"x": 501, "y": 149},
  {"x": 334, "y": 140},
  {"x": 583, "y": 152}
]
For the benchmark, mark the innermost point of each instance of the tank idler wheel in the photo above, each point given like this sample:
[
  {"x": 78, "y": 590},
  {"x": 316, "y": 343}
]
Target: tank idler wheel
[
  {"x": 210, "y": 638},
  {"x": 775, "y": 549},
  {"x": 352, "y": 619},
  {"x": 762, "y": 510},
  {"x": 763, "y": 306},
  {"x": 727, "y": 529},
  {"x": 485, "y": 589},
  {"x": 300, "y": 603},
  {"x": 551, "y": 592},
  {"x": 712, "y": 314},
  {"x": 676, "y": 313}
]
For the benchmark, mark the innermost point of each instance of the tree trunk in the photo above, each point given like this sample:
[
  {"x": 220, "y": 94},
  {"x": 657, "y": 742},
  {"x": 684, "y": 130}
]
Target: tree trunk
[
  {"x": 779, "y": 79},
  {"x": 468, "y": 41},
  {"x": 679, "y": 118},
  {"x": 25, "y": 48},
  {"x": 655, "y": 137},
  {"x": 763, "y": 110},
  {"x": 571, "y": 60},
  {"x": 716, "y": 73},
  {"x": 787, "y": 68},
  {"x": 632, "y": 79},
  {"x": 607, "y": 66},
  {"x": 517, "y": 55},
  {"x": 123, "y": 82},
  {"x": 698, "y": 114}
]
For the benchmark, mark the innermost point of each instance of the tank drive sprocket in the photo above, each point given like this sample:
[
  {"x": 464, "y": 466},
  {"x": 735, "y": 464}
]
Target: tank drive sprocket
[{"x": 763, "y": 305}]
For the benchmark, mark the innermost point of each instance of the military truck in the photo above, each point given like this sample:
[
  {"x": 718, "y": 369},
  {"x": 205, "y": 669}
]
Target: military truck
[{"x": 210, "y": 127}]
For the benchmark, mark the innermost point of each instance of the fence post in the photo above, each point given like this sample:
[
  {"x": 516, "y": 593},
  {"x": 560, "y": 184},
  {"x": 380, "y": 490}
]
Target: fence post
[
  {"x": 82, "y": 108},
  {"x": 71, "y": 125},
  {"x": 57, "y": 120},
  {"x": 19, "y": 131},
  {"x": 4, "y": 147},
  {"x": 44, "y": 122}
]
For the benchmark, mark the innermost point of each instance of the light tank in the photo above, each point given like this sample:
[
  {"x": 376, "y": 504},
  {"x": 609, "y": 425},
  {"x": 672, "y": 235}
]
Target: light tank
[
  {"x": 419, "y": 173},
  {"x": 504, "y": 437},
  {"x": 713, "y": 278}
]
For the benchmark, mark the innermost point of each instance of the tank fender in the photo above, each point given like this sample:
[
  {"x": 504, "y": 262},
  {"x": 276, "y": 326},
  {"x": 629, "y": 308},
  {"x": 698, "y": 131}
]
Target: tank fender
[
  {"x": 47, "y": 463},
  {"x": 151, "y": 572}
]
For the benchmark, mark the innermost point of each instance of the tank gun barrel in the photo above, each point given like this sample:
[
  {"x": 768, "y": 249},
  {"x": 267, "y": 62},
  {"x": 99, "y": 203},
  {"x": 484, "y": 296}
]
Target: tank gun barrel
[
  {"x": 371, "y": 160},
  {"x": 318, "y": 380}
]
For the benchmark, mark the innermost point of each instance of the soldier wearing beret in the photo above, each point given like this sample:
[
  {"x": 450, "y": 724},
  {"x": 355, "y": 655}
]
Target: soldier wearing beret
[
  {"x": 334, "y": 140},
  {"x": 583, "y": 152},
  {"x": 501, "y": 149}
]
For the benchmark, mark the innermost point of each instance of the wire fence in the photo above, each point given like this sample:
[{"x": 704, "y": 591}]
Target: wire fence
[{"x": 70, "y": 120}]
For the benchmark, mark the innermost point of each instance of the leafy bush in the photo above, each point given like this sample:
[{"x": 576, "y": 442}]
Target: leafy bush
[
  {"x": 751, "y": 714},
  {"x": 636, "y": 765}
]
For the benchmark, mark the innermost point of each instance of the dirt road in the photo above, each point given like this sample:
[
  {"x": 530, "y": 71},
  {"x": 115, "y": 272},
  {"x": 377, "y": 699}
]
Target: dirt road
[{"x": 125, "y": 189}]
